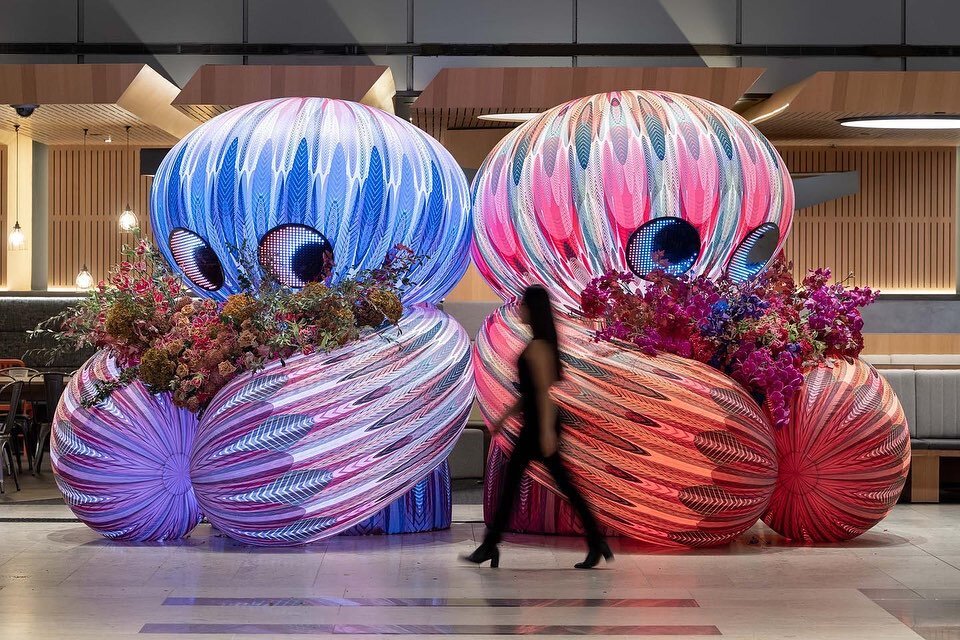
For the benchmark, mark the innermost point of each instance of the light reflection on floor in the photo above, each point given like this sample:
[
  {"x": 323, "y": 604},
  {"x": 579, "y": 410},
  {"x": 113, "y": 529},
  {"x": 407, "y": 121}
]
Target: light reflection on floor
[{"x": 59, "y": 580}]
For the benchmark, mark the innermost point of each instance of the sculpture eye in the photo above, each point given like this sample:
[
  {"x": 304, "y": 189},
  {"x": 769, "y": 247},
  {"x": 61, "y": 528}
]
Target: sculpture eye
[
  {"x": 196, "y": 259},
  {"x": 296, "y": 254},
  {"x": 754, "y": 253},
  {"x": 669, "y": 244}
]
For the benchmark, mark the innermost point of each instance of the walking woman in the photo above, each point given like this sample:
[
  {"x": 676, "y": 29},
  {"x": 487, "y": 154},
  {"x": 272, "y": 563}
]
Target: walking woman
[{"x": 538, "y": 369}]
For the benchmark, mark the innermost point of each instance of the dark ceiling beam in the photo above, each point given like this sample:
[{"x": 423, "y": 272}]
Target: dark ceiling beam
[{"x": 453, "y": 49}]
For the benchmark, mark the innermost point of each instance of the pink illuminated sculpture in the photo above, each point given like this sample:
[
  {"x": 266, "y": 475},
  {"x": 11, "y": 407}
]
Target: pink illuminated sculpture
[
  {"x": 669, "y": 451},
  {"x": 844, "y": 457},
  {"x": 666, "y": 450},
  {"x": 665, "y": 179}
]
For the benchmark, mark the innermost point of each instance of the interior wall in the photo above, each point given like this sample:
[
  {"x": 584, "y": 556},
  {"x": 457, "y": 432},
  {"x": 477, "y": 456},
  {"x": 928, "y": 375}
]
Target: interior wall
[
  {"x": 18, "y": 176},
  {"x": 898, "y": 233},
  {"x": 3, "y": 215},
  {"x": 89, "y": 188}
]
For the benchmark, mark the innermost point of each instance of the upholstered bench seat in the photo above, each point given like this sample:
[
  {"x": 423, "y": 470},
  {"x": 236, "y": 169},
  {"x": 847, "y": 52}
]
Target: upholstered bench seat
[
  {"x": 931, "y": 404},
  {"x": 946, "y": 444}
]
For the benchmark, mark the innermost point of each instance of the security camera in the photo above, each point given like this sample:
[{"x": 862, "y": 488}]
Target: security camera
[{"x": 25, "y": 110}]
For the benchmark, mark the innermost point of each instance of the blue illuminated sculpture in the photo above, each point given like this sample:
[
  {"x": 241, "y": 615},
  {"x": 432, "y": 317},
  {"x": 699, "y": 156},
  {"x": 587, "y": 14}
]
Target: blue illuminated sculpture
[
  {"x": 314, "y": 171},
  {"x": 353, "y": 440}
]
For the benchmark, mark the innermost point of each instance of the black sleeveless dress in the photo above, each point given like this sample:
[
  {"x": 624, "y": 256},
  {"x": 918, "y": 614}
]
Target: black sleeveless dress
[
  {"x": 530, "y": 403},
  {"x": 526, "y": 450}
]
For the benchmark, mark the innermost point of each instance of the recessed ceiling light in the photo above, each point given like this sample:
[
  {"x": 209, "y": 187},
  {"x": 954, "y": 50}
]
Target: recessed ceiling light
[
  {"x": 508, "y": 117},
  {"x": 903, "y": 122}
]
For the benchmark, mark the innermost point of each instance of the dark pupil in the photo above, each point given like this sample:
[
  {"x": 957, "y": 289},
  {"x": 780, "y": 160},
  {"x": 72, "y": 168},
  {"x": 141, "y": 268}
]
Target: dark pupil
[
  {"x": 761, "y": 251},
  {"x": 311, "y": 262},
  {"x": 209, "y": 265},
  {"x": 678, "y": 242}
]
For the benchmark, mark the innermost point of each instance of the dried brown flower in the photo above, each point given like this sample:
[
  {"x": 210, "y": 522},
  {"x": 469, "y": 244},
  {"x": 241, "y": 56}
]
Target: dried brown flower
[
  {"x": 157, "y": 369},
  {"x": 120, "y": 319},
  {"x": 388, "y": 302},
  {"x": 239, "y": 307}
]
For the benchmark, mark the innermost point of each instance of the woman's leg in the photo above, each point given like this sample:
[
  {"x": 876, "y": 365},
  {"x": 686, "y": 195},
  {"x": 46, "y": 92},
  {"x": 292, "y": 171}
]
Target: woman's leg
[
  {"x": 558, "y": 470},
  {"x": 519, "y": 460}
]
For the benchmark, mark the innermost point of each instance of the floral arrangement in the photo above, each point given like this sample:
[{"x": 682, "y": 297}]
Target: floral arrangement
[
  {"x": 143, "y": 314},
  {"x": 763, "y": 332}
]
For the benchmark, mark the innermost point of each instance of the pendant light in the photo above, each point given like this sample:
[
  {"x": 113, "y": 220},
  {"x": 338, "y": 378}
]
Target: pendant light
[
  {"x": 84, "y": 279},
  {"x": 128, "y": 219},
  {"x": 18, "y": 240}
]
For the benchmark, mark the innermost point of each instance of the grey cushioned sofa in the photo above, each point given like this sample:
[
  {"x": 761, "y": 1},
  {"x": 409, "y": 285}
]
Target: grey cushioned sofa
[{"x": 931, "y": 403}]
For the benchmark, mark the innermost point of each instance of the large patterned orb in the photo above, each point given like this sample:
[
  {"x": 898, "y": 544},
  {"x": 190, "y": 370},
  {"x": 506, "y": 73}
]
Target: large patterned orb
[
  {"x": 123, "y": 464},
  {"x": 306, "y": 449},
  {"x": 844, "y": 457},
  {"x": 639, "y": 179},
  {"x": 289, "y": 178},
  {"x": 666, "y": 450}
]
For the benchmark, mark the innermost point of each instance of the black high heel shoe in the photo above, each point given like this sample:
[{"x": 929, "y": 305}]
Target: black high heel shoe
[
  {"x": 483, "y": 553},
  {"x": 600, "y": 550}
]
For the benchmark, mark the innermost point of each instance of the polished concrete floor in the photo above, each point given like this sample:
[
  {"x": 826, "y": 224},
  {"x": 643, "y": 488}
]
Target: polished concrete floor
[{"x": 60, "y": 580}]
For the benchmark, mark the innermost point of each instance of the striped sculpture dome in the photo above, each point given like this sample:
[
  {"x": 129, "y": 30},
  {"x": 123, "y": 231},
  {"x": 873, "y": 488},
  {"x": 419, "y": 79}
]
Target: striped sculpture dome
[
  {"x": 295, "y": 177},
  {"x": 629, "y": 179}
]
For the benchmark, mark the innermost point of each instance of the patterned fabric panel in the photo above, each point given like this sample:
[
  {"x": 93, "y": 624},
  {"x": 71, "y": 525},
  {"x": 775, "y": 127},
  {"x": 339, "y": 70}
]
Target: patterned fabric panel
[
  {"x": 306, "y": 449},
  {"x": 904, "y": 385},
  {"x": 426, "y": 507},
  {"x": 666, "y": 450},
  {"x": 558, "y": 199},
  {"x": 844, "y": 457},
  {"x": 363, "y": 178},
  {"x": 123, "y": 465}
]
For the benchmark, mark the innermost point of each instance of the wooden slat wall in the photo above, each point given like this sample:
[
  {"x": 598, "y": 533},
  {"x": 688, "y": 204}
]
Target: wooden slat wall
[
  {"x": 898, "y": 233},
  {"x": 3, "y": 216},
  {"x": 88, "y": 190}
]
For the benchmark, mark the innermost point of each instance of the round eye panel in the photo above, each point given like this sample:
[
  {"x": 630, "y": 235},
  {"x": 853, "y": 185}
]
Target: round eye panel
[
  {"x": 754, "y": 253},
  {"x": 669, "y": 244},
  {"x": 296, "y": 254},
  {"x": 196, "y": 259}
]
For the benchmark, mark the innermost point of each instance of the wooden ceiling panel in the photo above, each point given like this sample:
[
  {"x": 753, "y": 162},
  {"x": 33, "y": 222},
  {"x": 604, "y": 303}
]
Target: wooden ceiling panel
[
  {"x": 455, "y": 97},
  {"x": 808, "y": 113},
  {"x": 214, "y": 89},
  {"x": 103, "y": 98},
  {"x": 58, "y": 124}
]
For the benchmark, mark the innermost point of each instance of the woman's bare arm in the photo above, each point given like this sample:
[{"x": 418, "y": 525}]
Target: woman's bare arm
[{"x": 544, "y": 372}]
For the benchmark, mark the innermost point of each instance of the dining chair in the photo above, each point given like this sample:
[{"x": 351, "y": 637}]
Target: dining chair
[
  {"x": 19, "y": 372},
  {"x": 8, "y": 428},
  {"x": 53, "y": 386},
  {"x": 22, "y": 435}
]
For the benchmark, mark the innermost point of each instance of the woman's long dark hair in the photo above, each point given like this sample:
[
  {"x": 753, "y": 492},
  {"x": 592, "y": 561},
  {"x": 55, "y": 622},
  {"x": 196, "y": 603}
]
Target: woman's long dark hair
[{"x": 537, "y": 301}]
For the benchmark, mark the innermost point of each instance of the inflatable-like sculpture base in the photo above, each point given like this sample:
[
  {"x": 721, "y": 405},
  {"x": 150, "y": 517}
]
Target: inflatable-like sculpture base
[
  {"x": 844, "y": 457},
  {"x": 123, "y": 465},
  {"x": 426, "y": 507},
  {"x": 666, "y": 450},
  {"x": 311, "y": 448}
]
